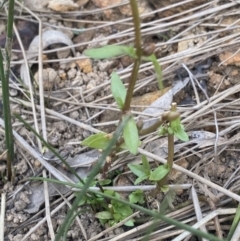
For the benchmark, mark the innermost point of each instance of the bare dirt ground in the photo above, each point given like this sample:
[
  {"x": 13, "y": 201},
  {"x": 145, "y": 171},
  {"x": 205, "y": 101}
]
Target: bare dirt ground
[{"x": 197, "y": 46}]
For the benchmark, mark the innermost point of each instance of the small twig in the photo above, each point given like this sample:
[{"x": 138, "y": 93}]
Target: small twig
[{"x": 217, "y": 225}]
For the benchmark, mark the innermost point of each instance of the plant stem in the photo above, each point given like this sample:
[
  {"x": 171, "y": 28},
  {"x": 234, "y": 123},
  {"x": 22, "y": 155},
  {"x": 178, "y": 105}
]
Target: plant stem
[
  {"x": 172, "y": 114},
  {"x": 151, "y": 128},
  {"x": 133, "y": 78},
  {"x": 4, "y": 73},
  {"x": 171, "y": 140},
  {"x": 137, "y": 27},
  {"x": 131, "y": 86},
  {"x": 163, "y": 181},
  {"x": 170, "y": 150}
]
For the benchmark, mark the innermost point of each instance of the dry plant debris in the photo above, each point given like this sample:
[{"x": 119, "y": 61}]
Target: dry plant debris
[{"x": 76, "y": 98}]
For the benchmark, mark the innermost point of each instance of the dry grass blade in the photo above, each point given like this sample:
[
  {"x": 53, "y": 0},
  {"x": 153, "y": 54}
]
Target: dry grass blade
[
  {"x": 2, "y": 215},
  {"x": 61, "y": 205},
  {"x": 47, "y": 207},
  {"x": 206, "y": 219},
  {"x": 197, "y": 209}
]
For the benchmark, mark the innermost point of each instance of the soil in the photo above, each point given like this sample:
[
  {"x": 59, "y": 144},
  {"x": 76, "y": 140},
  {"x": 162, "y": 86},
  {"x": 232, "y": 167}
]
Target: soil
[{"x": 77, "y": 95}]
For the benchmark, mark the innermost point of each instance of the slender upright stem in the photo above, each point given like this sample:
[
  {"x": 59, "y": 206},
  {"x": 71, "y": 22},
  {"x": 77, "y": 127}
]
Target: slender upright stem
[
  {"x": 10, "y": 19},
  {"x": 171, "y": 139},
  {"x": 131, "y": 86},
  {"x": 170, "y": 150},
  {"x": 137, "y": 27},
  {"x": 5, "y": 72},
  {"x": 133, "y": 78}
]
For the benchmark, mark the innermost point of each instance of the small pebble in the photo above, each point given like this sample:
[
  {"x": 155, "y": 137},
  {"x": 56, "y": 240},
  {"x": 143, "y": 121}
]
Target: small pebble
[
  {"x": 74, "y": 115},
  {"x": 72, "y": 73}
]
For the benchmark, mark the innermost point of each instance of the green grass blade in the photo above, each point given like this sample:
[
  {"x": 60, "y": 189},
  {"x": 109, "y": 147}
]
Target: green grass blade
[
  {"x": 4, "y": 74},
  {"x": 7, "y": 118},
  {"x": 234, "y": 224}
]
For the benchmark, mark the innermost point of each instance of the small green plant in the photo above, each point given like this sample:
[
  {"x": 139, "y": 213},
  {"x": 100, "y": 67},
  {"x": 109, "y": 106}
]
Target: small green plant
[
  {"x": 111, "y": 211},
  {"x": 159, "y": 174},
  {"x": 174, "y": 128},
  {"x": 129, "y": 139},
  {"x": 144, "y": 172},
  {"x": 115, "y": 211},
  {"x": 137, "y": 197}
]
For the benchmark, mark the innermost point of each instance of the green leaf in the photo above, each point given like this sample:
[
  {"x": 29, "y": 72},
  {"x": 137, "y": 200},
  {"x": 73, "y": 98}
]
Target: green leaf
[
  {"x": 162, "y": 130},
  {"x": 118, "y": 90},
  {"x": 124, "y": 146},
  {"x": 139, "y": 171},
  {"x": 104, "y": 215},
  {"x": 175, "y": 124},
  {"x": 110, "y": 51},
  {"x": 105, "y": 182},
  {"x": 164, "y": 188},
  {"x": 130, "y": 135},
  {"x": 136, "y": 197},
  {"x": 157, "y": 68},
  {"x": 109, "y": 192},
  {"x": 140, "y": 179},
  {"x": 181, "y": 135},
  {"x": 97, "y": 141},
  {"x": 117, "y": 217},
  {"x": 146, "y": 165},
  {"x": 129, "y": 223},
  {"x": 178, "y": 130},
  {"x": 123, "y": 210},
  {"x": 159, "y": 173}
]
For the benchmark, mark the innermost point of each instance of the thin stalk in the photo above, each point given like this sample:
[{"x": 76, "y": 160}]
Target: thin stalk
[
  {"x": 172, "y": 114},
  {"x": 137, "y": 27},
  {"x": 5, "y": 72},
  {"x": 131, "y": 86},
  {"x": 151, "y": 128},
  {"x": 170, "y": 150},
  {"x": 133, "y": 78}
]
